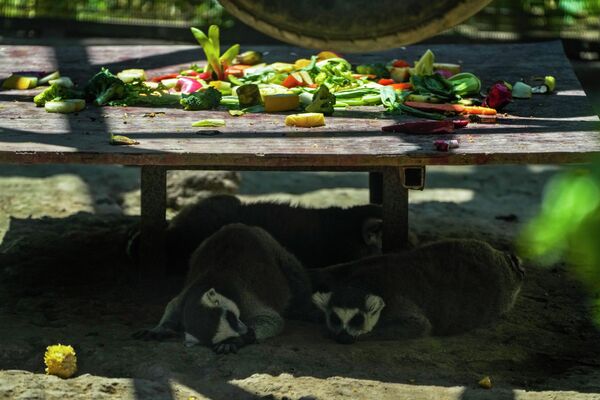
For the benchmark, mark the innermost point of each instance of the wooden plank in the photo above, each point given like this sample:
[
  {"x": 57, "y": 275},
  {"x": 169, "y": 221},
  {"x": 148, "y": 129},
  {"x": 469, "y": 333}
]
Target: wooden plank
[{"x": 547, "y": 129}]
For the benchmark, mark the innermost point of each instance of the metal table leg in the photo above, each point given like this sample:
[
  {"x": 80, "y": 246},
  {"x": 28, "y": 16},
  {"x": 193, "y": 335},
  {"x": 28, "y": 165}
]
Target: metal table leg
[
  {"x": 395, "y": 211},
  {"x": 153, "y": 221}
]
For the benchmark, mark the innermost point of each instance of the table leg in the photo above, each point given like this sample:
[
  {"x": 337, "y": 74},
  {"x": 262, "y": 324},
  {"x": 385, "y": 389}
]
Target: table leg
[
  {"x": 375, "y": 187},
  {"x": 395, "y": 211},
  {"x": 153, "y": 221}
]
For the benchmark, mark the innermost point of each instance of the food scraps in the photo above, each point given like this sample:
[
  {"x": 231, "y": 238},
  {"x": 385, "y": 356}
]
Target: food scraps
[
  {"x": 60, "y": 360},
  {"x": 421, "y": 127},
  {"x": 120, "y": 140},
  {"x": 305, "y": 120},
  {"x": 446, "y": 144},
  {"x": 211, "y": 122}
]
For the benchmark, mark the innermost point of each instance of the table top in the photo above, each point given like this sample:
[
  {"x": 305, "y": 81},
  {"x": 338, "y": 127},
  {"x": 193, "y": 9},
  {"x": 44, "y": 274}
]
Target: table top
[{"x": 557, "y": 128}]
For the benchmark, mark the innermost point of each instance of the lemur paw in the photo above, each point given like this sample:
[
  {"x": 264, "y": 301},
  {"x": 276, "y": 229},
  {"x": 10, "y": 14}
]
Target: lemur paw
[
  {"x": 154, "y": 334},
  {"x": 228, "y": 346}
]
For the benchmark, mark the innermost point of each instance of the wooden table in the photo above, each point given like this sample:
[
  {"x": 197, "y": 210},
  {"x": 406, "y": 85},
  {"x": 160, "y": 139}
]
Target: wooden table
[{"x": 558, "y": 128}]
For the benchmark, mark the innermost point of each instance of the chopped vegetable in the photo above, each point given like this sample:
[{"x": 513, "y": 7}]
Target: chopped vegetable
[
  {"x": 248, "y": 95},
  {"x": 460, "y": 123},
  {"x": 445, "y": 145},
  {"x": 236, "y": 113},
  {"x": 423, "y": 98},
  {"x": 189, "y": 85},
  {"x": 161, "y": 78},
  {"x": 65, "y": 106},
  {"x": 385, "y": 81},
  {"x": 325, "y": 55},
  {"x": 138, "y": 93},
  {"x": 60, "y": 360},
  {"x": 222, "y": 86},
  {"x": 401, "y": 86},
  {"x": 442, "y": 108},
  {"x": 550, "y": 81},
  {"x": 453, "y": 68},
  {"x": 281, "y": 102},
  {"x": 64, "y": 81},
  {"x": 305, "y": 120},
  {"x": 291, "y": 81},
  {"x": 322, "y": 102},
  {"x": 130, "y": 75},
  {"x": 249, "y": 57},
  {"x": 104, "y": 87},
  {"x": 120, "y": 140},
  {"x": 498, "y": 96},
  {"x": 217, "y": 63},
  {"x": 400, "y": 64},
  {"x": 209, "y": 123},
  {"x": 521, "y": 90},
  {"x": 19, "y": 82},
  {"x": 423, "y": 127},
  {"x": 56, "y": 92},
  {"x": 301, "y": 63},
  {"x": 378, "y": 69},
  {"x": 424, "y": 67},
  {"x": 400, "y": 74},
  {"x": 434, "y": 85},
  {"x": 480, "y": 110},
  {"x": 465, "y": 83},
  {"x": 48, "y": 78},
  {"x": 201, "y": 100}
]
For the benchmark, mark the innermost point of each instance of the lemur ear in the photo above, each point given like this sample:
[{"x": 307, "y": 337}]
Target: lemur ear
[
  {"x": 321, "y": 300},
  {"x": 210, "y": 298},
  {"x": 374, "y": 304},
  {"x": 372, "y": 229}
]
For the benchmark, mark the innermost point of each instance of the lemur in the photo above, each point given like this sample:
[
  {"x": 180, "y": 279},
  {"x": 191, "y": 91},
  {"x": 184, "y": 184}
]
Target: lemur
[
  {"x": 318, "y": 237},
  {"x": 443, "y": 288},
  {"x": 240, "y": 284}
]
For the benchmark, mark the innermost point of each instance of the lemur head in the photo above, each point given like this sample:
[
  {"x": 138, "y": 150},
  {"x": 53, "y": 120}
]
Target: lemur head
[
  {"x": 211, "y": 319},
  {"x": 349, "y": 312}
]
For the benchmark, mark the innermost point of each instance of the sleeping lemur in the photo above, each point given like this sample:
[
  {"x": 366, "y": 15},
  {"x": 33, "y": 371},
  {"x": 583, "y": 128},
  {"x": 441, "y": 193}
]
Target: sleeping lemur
[
  {"x": 240, "y": 284},
  {"x": 442, "y": 288},
  {"x": 318, "y": 237}
]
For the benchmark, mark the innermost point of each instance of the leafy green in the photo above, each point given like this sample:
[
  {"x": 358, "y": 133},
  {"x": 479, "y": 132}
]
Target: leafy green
[
  {"x": 56, "y": 92},
  {"x": 201, "y": 100},
  {"x": 104, "y": 87},
  {"x": 435, "y": 85},
  {"x": 336, "y": 73},
  {"x": 322, "y": 102},
  {"x": 377, "y": 69},
  {"x": 390, "y": 101},
  {"x": 216, "y": 62},
  {"x": 424, "y": 66}
]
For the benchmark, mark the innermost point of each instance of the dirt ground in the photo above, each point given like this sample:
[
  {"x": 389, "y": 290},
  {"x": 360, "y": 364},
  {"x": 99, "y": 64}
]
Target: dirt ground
[{"x": 65, "y": 279}]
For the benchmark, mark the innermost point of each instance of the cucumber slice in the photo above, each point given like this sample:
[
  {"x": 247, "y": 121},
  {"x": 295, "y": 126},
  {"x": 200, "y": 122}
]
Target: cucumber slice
[{"x": 65, "y": 106}]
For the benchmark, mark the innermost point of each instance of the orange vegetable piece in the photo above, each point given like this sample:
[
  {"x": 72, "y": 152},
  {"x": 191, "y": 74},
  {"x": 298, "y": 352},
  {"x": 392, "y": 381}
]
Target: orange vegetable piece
[
  {"x": 480, "y": 110},
  {"x": 441, "y": 108}
]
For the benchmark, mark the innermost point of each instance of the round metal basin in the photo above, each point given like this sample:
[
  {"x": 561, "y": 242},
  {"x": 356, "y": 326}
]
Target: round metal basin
[{"x": 352, "y": 25}]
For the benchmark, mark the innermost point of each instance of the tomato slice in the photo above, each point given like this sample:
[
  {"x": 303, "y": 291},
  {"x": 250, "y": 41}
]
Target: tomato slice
[
  {"x": 400, "y": 64},
  {"x": 291, "y": 82}
]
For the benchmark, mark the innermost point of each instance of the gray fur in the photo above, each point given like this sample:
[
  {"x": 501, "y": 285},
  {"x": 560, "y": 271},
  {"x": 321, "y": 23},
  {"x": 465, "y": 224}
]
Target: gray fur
[
  {"x": 318, "y": 237},
  {"x": 243, "y": 270},
  {"x": 443, "y": 288}
]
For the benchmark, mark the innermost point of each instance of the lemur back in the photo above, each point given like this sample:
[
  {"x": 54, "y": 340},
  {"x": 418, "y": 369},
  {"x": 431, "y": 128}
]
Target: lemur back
[{"x": 318, "y": 237}]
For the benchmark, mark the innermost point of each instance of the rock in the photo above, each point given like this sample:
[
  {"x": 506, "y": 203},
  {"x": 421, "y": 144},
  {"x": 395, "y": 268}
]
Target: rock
[{"x": 188, "y": 187}]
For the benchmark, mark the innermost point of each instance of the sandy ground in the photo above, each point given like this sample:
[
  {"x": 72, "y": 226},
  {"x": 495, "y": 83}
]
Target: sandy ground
[{"x": 64, "y": 278}]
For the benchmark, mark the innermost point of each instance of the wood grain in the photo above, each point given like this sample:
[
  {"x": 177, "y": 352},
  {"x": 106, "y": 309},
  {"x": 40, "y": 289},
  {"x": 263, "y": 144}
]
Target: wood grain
[{"x": 557, "y": 128}]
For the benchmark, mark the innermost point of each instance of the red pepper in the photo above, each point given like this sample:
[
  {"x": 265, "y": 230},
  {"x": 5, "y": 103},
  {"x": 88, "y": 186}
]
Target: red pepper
[
  {"x": 425, "y": 127},
  {"x": 165, "y": 76},
  {"x": 460, "y": 123},
  {"x": 291, "y": 82},
  {"x": 400, "y": 64},
  {"x": 385, "y": 82},
  {"x": 401, "y": 86}
]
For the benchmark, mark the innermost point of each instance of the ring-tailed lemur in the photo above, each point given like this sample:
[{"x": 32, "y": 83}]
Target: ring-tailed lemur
[
  {"x": 317, "y": 237},
  {"x": 240, "y": 284},
  {"x": 443, "y": 288}
]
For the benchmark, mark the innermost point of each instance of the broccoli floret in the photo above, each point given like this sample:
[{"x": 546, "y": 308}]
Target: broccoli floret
[
  {"x": 322, "y": 101},
  {"x": 104, "y": 87},
  {"x": 201, "y": 100},
  {"x": 56, "y": 92}
]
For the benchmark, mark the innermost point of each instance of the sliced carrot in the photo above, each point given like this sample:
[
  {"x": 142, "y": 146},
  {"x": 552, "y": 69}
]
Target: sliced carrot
[
  {"x": 480, "y": 110},
  {"x": 401, "y": 86},
  {"x": 441, "y": 108}
]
